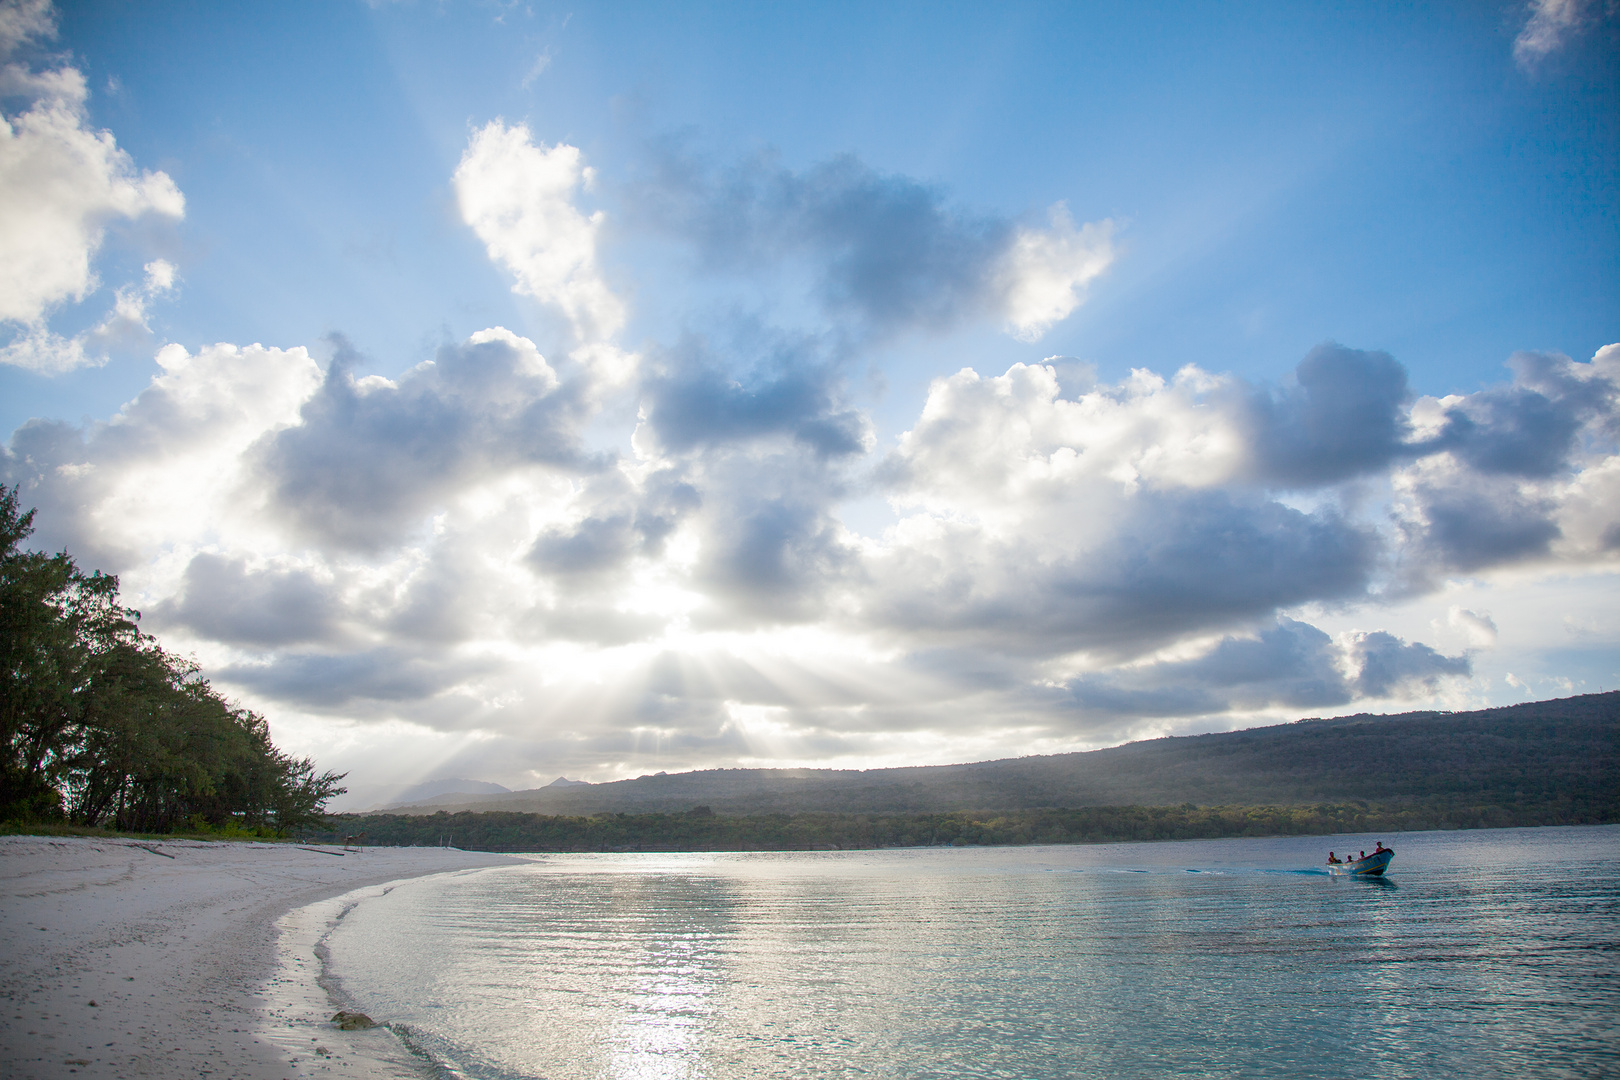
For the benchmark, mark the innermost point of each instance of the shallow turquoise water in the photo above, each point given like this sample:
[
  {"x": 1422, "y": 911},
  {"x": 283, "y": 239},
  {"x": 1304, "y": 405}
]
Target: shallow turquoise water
[{"x": 1486, "y": 953}]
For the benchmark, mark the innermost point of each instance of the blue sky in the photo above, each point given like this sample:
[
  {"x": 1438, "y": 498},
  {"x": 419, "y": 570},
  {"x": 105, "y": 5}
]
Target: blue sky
[{"x": 746, "y": 509}]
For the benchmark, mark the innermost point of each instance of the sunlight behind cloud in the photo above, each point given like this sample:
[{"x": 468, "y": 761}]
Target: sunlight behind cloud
[
  {"x": 1047, "y": 271},
  {"x": 519, "y": 199},
  {"x": 560, "y": 485}
]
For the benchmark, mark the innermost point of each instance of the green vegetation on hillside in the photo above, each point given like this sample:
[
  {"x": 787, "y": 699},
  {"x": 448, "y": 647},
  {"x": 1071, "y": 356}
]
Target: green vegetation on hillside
[
  {"x": 703, "y": 830},
  {"x": 1519, "y": 756},
  {"x": 101, "y": 727},
  {"x": 1542, "y": 763}
]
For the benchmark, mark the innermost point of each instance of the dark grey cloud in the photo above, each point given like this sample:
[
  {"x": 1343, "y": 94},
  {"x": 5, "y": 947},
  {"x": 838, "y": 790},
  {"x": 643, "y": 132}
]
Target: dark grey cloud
[
  {"x": 331, "y": 681},
  {"x": 758, "y": 461},
  {"x": 769, "y": 546},
  {"x": 1514, "y": 431},
  {"x": 1173, "y": 564},
  {"x": 43, "y": 454},
  {"x": 589, "y": 546},
  {"x": 1389, "y": 665},
  {"x": 1174, "y": 560},
  {"x": 888, "y": 251},
  {"x": 367, "y": 460},
  {"x": 221, "y": 599},
  {"x": 624, "y": 522},
  {"x": 773, "y": 559},
  {"x": 1210, "y": 555},
  {"x": 1468, "y": 523},
  {"x": 1533, "y": 427},
  {"x": 1344, "y": 415},
  {"x": 1290, "y": 664},
  {"x": 1489, "y": 496},
  {"x": 693, "y": 402}
]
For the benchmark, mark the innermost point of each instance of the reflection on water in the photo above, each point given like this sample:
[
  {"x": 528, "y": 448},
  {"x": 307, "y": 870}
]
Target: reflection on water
[
  {"x": 1489, "y": 953},
  {"x": 673, "y": 970}
]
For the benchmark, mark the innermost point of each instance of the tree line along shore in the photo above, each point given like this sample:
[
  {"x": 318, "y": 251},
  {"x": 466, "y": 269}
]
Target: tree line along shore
[
  {"x": 103, "y": 728},
  {"x": 1538, "y": 763},
  {"x": 701, "y": 829}
]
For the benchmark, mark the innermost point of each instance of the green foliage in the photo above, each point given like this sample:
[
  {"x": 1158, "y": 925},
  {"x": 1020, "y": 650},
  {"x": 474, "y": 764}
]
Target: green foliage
[
  {"x": 1568, "y": 749},
  {"x": 100, "y": 726},
  {"x": 700, "y": 830}
]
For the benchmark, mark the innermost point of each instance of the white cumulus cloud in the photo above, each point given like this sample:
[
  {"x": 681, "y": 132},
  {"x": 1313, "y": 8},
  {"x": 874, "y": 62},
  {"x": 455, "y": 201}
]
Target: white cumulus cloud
[
  {"x": 22, "y": 20},
  {"x": 61, "y": 183},
  {"x": 880, "y": 253},
  {"x": 1479, "y": 628},
  {"x": 519, "y": 198},
  {"x": 1551, "y": 25},
  {"x": 614, "y": 560},
  {"x": 1073, "y": 565},
  {"x": 1045, "y": 271}
]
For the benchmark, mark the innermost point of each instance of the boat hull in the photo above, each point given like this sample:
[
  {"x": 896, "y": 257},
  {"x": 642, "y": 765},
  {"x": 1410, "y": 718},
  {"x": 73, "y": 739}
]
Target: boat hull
[{"x": 1372, "y": 866}]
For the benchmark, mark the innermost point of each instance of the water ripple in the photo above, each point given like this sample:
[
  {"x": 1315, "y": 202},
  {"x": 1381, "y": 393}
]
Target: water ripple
[{"x": 1489, "y": 955}]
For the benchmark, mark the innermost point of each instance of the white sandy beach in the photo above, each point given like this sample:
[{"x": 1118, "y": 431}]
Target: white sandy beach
[{"x": 121, "y": 958}]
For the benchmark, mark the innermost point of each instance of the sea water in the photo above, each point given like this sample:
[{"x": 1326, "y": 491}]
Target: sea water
[{"x": 1483, "y": 954}]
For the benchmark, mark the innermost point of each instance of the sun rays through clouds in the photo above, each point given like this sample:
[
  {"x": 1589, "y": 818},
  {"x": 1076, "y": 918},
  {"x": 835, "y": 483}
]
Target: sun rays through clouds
[{"x": 606, "y": 533}]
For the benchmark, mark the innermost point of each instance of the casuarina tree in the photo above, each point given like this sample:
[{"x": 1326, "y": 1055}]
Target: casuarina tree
[{"x": 100, "y": 725}]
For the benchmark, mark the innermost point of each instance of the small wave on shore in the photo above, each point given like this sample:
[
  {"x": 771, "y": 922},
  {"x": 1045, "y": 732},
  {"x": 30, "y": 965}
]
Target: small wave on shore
[
  {"x": 300, "y": 1000},
  {"x": 304, "y": 1000}
]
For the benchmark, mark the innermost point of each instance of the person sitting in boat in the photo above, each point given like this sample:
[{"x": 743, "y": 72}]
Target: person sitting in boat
[
  {"x": 1379, "y": 848},
  {"x": 1362, "y": 856},
  {"x": 1332, "y": 859}
]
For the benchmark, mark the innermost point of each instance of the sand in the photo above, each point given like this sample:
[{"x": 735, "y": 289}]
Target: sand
[{"x": 167, "y": 959}]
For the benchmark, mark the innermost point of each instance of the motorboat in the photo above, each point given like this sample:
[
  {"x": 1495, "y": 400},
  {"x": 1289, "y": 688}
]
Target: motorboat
[{"x": 1372, "y": 865}]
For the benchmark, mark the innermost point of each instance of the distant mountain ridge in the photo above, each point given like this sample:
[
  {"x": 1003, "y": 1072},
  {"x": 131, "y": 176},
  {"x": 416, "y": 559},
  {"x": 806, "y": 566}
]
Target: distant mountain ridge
[
  {"x": 454, "y": 788},
  {"x": 1565, "y": 750}
]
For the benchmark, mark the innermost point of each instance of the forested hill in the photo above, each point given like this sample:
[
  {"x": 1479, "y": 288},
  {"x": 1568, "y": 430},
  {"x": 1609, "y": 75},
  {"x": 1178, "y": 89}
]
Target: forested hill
[{"x": 1563, "y": 753}]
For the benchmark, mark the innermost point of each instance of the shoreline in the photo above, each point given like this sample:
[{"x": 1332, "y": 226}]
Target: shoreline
[
  {"x": 136, "y": 958},
  {"x": 298, "y": 1005}
]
